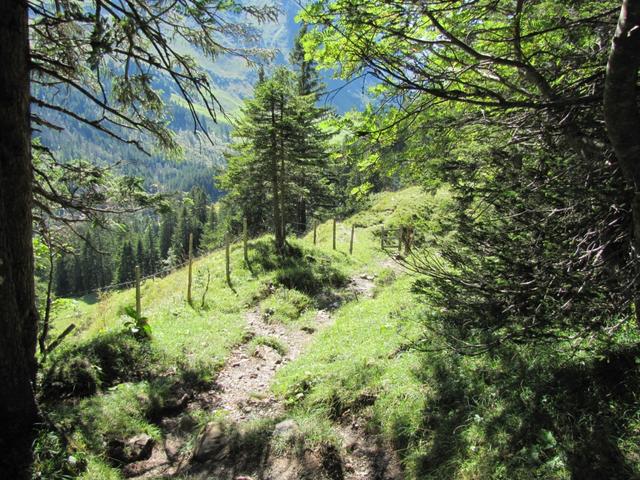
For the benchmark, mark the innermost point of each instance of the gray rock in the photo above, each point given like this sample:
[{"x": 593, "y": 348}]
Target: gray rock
[
  {"x": 286, "y": 429},
  {"x": 131, "y": 450},
  {"x": 186, "y": 423},
  {"x": 140, "y": 447},
  {"x": 211, "y": 444}
]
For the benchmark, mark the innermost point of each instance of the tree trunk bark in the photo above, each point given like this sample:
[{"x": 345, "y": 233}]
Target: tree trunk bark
[
  {"x": 275, "y": 182},
  {"x": 621, "y": 114},
  {"x": 302, "y": 216},
  {"x": 283, "y": 193},
  {"x": 18, "y": 314}
]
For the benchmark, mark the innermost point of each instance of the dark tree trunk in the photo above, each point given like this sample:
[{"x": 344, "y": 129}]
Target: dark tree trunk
[
  {"x": 275, "y": 182},
  {"x": 283, "y": 193},
  {"x": 302, "y": 216},
  {"x": 621, "y": 113},
  {"x": 18, "y": 315}
]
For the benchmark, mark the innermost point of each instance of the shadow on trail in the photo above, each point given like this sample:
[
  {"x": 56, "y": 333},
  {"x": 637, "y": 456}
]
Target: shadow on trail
[{"x": 227, "y": 450}]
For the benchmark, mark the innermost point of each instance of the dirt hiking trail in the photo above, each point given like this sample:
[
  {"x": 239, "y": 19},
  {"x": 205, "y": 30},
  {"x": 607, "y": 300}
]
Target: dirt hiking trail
[{"x": 241, "y": 392}]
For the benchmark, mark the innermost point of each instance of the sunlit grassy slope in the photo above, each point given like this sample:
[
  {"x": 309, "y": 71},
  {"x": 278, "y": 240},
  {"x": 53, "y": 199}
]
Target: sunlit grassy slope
[
  {"x": 525, "y": 411},
  {"x": 361, "y": 354}
]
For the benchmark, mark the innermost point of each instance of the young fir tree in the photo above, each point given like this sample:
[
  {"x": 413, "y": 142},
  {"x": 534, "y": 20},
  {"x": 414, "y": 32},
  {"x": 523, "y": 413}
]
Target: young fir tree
[
  {"x": 210, "y": 228},
  {"x": 63, "y": 285},
  {"x": 180, "y": 239},
  {"x": 198, "y": 217},
  {"x": 312, "y": 190},
  {"x": 278, "y": 148},
  {"x": 90, "y": 264},
  {"x": 151, "y": 260},
  {"x": 140, "y": 254},
  {"x": 78, "y": 275}
]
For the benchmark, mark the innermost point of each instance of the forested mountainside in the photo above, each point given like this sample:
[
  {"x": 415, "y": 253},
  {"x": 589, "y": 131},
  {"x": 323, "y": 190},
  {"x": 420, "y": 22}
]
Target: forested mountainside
[{"x": 203, "y": 154}]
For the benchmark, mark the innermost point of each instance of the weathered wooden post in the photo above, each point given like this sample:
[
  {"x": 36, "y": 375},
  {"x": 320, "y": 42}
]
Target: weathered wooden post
[
  {"x": 400, "y": 236},
  {"x": 138, "y": 303},
  {"x": 227, "y": 258},
  {"x": 408, "y": 237},
  {"x": 315, "y": 231},
  {"x": 334, "y": 233},
  {"x": 190, "y": 276},
  {"x": 245, "y": 240},
  {"x": 353, "y": 231},
  {"x": 383, "y": 233}
]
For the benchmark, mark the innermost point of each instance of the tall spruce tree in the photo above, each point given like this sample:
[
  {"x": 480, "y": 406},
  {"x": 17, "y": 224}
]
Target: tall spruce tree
[
  {"x": 63, "y": 285},
  {"x": 151, "y": 263},
  {"x": 167, "y": 227},
  {"x": 198, "y": 214},
  {"x": 211, "y": 227},
  {"x": 180, "y": 239},
  {"x": 141, "y": 259},
  {"x": 278, "y": 145},
  {"x": 311, "y": 178}
]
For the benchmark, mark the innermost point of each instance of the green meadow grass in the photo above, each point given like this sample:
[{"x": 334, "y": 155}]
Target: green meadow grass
[
  {"x": 350, "y": 361},
  {"x": 359, "y": 365}
]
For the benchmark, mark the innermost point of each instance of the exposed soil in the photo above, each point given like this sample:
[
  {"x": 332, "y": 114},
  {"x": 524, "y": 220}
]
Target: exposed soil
[
  {"x": 242, "y": 391},
  {"x": 242, "y": 387}
]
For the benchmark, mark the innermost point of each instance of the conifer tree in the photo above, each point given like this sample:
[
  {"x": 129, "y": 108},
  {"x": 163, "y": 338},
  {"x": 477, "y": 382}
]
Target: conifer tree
[
  {"x": 126, "y": 269},
  {"x": 210, "y": 228},
  {"x": 278, "y": 147},
  {"x": 151, "y": 263},
  {"x": 167, "y": 228},
  {"x": 78, "y": 277},
  {"x": 198, "y": 216},
  {"x": 90, "y": 267},
  {"x": 309, "y": 82},
  {"x": 140, "y": 254},
  {"x": 180, "y": 239},
  {"x": 63, "y": 285},
  {"x": 310, "y": 178}
]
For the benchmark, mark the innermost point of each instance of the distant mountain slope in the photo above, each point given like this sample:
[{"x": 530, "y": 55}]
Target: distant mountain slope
[{"x": 233, "y": 80}]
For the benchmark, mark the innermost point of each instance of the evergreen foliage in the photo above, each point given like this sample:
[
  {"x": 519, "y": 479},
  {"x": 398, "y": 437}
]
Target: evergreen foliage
[
  {"x": 127, "y": 263},
  {"x": 537, "y": 245},
  {"x": 279, "y": 156}
]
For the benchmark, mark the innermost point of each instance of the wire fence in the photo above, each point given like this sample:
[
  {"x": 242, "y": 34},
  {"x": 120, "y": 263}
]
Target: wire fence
[
  {"x": 158, "y": 273},
  {"x": 390, "y": 239}
]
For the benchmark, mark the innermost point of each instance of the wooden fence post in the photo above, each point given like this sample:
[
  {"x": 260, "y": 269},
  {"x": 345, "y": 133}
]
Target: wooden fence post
[
  {"x": 353, "y": 231},
  {"x": 408, "y": 234},
  {"x": 189, "y": 279},
  {"x": 383, "y": 234},
  {"x": 400, "y": 236},
  {"x": 227, "y": 259},
  {"x": 138, "y": 304},
  {"x": 315, "y": 231},
  {"x": 245, "y": 240},
  {"x": 334, "y": 233}
]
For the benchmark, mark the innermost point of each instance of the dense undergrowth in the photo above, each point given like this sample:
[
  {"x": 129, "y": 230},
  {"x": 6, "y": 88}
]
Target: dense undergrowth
[{"x": 514, "y": 412}]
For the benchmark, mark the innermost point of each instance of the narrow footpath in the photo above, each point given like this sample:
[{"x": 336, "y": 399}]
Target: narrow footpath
[{"x": 241, "y": 393}]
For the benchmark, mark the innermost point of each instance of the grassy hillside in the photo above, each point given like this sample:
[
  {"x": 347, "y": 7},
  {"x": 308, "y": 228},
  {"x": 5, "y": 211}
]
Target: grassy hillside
[
  {"x": 524, "y": 411},
  {"x": 114, "y": 384}
]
